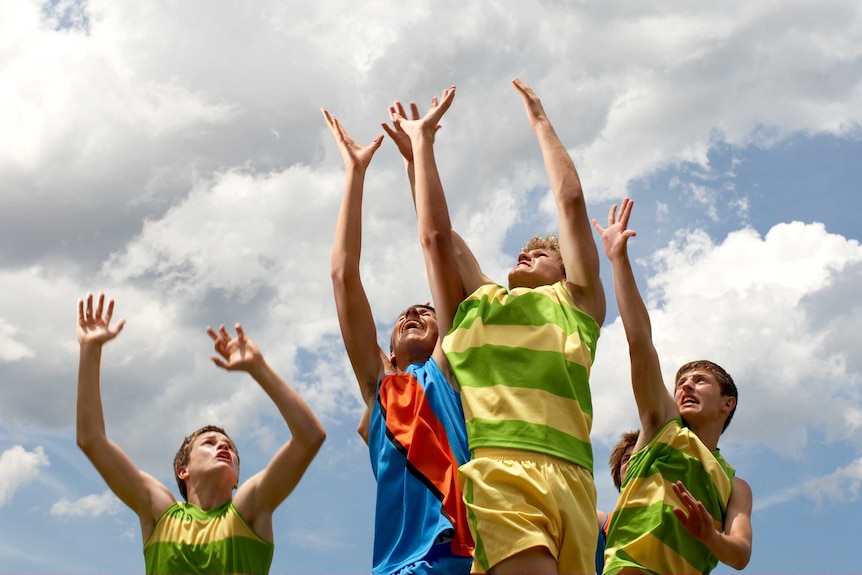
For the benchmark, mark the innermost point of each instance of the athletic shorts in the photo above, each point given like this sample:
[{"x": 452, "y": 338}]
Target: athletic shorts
[{"x": 517, "y": 500}]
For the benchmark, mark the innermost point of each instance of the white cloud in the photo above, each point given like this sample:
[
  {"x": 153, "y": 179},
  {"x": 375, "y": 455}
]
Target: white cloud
[
  {"x": 93, "y": 505},
  {"x": 841, "y": 486},
  {"x": 19, "y": 467},
  {"x": 11, "y": 350},
  {"x": 752, "y": 305}
]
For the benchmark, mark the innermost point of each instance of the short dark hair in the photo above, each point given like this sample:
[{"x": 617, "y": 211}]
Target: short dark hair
[
  {"x": 615, "y": 461},
  {"x": 725, "y": 382},
  {"x": 181, "y": 459}
]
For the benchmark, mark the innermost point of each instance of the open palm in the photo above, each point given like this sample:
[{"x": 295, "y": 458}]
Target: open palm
[{"x": 94, "y": 322}]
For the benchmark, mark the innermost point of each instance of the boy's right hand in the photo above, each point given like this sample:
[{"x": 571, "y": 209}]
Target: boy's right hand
[
  {"x": 616, "y": 236},
  {"x": 354, "y": 155},
  {"x": 94, "y": 324}
]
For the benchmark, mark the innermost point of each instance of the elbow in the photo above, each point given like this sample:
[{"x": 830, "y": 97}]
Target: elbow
[
  {"x": 343, "y": 275},
  {"x": 435, "y": 240},
  {"x": 742, "y": 560}
]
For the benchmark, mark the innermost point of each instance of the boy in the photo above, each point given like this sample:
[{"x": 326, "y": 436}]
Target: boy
[
  {"x": 700, "y": 511},
  {"x": 522, "y": 359},
  {"x": 213, "y": 532},
  {"x": 413, "y": 423}
]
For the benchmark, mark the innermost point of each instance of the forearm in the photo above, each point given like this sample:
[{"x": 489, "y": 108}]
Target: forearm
[
  {"x": 730, "y": 550},
  {"x": 304, "y": 426},
  {"x": 90, "y": 426},
  {"x": 633, "y": 311},
  {"x": 562, "y": 175},
  {"x": 347, "y": 244}
]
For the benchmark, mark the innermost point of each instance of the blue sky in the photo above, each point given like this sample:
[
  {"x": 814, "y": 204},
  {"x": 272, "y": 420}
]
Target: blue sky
[{"x": 173, "y": 155}]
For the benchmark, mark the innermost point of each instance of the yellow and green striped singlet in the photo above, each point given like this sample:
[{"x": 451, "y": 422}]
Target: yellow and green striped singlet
[
  {"x": 644, "y": 533},
  {"x": 188, "y": 539},
  {"x": 522, "y": 359}
]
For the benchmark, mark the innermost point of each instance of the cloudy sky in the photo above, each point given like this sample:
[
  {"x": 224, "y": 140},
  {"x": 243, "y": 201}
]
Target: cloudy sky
[{"x": 172, "y": 155}]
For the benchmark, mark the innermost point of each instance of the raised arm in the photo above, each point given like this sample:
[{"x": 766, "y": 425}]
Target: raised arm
[
  {"x": 655, "y": 404},
  {"x": 351, "y": 303},
  {"x": 577, "y": 246},
  {"x": 733, "y": 546},
  {"x": 141, "y": 492},
  {"x": 435, "y": 228},
  {"x": 468, "y": 267},
  {"x": 259, "y": 496}
]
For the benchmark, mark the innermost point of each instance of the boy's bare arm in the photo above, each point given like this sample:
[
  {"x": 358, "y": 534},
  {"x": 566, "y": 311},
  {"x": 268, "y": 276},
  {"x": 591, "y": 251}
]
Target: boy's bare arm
[
  {"x": 468, "y": 267},
  {"x": 260, "y": 495},
  {"x": 577, "y": 246},
  {"x": 655, "y": 404},
  {"x": 435, "y": 228},
  {"x": 147, "y": 497},
  {"x": 733, "y": 546},
  {"x": 472, "y": 277},
  {"x": 351, "y": 302}
]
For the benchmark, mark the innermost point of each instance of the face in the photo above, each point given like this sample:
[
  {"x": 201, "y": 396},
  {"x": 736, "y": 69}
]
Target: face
[
  {"x": 414, "y": 335},
  {"x": 212, "y": 452},
  {"x": 538, "y": 267},
  {"x": 698, "y": 396}
]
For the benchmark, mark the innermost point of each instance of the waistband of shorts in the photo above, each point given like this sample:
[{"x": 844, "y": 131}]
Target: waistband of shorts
[{"x": 503, "y": 454}]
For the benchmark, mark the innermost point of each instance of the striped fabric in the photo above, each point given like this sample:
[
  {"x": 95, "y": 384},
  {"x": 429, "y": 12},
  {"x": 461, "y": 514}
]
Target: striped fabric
[
  {"x": 644, "y": 533},
  {"x": 188, "y": 539},
  {"x": 523, "y": 361}
]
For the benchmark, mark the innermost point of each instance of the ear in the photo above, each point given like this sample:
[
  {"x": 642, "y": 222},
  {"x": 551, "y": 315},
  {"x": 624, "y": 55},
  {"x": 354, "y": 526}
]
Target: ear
[
  {"x": 183, "y": 472},
  {"x": 729, "y": 404},
  {"x": 392, "y": 361}
]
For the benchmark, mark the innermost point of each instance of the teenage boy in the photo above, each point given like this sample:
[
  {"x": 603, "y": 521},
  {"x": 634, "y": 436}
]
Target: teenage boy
[
  {"x": 682, "y": 508},
  {"x": 213, "y": 531}
]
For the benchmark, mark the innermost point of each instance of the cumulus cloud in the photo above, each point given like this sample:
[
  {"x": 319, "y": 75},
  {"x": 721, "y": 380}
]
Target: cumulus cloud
[
  {"x": 841, "y": 486},
  {"x": 93, "y": 505},
  {"x": 752, "y": 304},
  {"x": 19, "y": 467}
]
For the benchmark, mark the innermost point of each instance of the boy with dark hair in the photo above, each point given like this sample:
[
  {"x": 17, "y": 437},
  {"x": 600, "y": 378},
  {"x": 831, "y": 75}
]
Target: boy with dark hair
[
  {"x": 699, "y": 511},
  {"x": 214, "y": 531},
  {"x": 413, "y": 422}
]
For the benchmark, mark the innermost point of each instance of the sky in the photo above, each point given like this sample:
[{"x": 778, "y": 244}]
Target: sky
[{"x": 173, "y": 156}]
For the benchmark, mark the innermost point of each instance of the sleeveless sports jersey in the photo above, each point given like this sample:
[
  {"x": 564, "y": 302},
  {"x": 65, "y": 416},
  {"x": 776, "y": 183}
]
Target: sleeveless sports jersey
[
  {"x": 188, "y": 539},
  {"x": 523, "y": 361},
  {"x": 644, "y": 533},
  {"x": 417, "y": 441}
]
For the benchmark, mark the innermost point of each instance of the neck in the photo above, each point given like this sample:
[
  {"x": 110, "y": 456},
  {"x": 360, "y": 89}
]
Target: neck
[
  {"x": 707, "y": 433},
  {"x": 209, "y": 499}
]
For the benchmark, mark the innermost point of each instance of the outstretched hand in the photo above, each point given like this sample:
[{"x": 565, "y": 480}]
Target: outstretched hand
[
  {"x": 532, "y": 103},
  {"x": 235, "y": 353},
  {"x": 94, "y": 324},
  {"x": 399, "y": 136},
  {"x": 418, "y": 127},
  {"x": 616, "y": 236},
  {"x": 694, "y": 517},
  {"x": 352, "y": 153}
]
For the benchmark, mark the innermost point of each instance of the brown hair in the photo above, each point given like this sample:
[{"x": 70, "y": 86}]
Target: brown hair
[
  {"x": 615, "y": 461},
  {"x": 181, "y": 459},
  {"x": 725, "y": 382},
  {"x": 550, "y": 242}
]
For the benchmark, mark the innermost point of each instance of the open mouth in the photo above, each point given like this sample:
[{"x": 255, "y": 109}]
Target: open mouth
[
  {"x": 689, "y": 401},
  {"x": 224, "y": 456},
  {"x": 412, "y": 324}
]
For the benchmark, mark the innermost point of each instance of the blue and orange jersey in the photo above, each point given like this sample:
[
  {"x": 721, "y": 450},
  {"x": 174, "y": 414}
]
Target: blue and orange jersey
[{"x": 417, "y": 441}]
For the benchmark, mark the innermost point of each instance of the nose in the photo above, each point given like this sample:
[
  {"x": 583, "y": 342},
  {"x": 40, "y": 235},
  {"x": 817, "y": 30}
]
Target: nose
[
  {"x": 686, "y": 384},
  {"x": 412, "y": 311},
  {"x": 523, "y": 257}
]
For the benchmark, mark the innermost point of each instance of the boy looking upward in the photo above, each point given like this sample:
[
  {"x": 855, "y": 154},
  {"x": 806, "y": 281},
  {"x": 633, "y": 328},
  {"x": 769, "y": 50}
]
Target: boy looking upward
[{"x": 699, "y": 511}]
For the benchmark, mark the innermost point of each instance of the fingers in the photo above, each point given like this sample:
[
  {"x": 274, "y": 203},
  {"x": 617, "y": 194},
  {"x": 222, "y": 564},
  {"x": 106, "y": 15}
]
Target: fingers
[
  {"x": 212, "y": 333},
  {"x": 100, "y": 306},
  {"x": 328, "y": 118},
  {"x": 80, "y": 310},
  {"x": 223, "y": 332},
  {"x": 220, "y": 362},
  {"x": 119, "y": 327},
  {"x": 240, "y": 334},
  {"x": 110, "y": 312},
  {"x": 598, "y": 226},
  {"x": 89, "y": 310},
  {"x": 414, "y": 111},
  {"x": 612, "y": 215}
]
